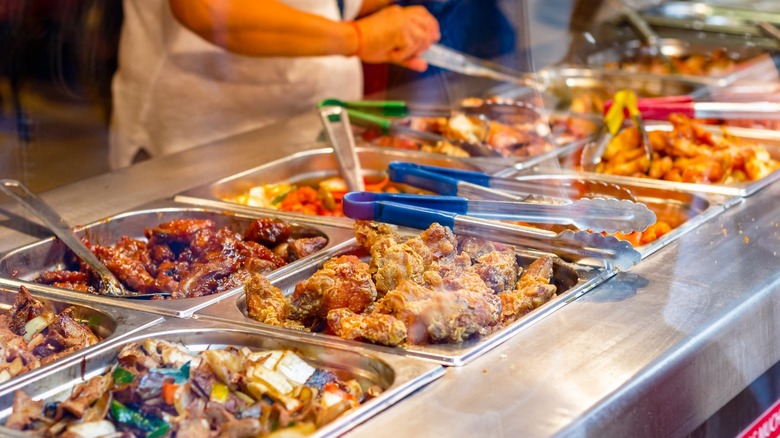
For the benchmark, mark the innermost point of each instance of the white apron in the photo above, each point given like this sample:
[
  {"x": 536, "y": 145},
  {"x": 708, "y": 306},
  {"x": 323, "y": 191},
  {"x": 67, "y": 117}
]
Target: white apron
[{"x": 173, "y": 90}]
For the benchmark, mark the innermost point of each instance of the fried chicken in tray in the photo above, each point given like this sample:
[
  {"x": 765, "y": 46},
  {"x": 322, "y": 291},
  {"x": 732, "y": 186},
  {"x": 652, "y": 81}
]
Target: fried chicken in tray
[
  {"x": 431, "y": 288},
  {"x": 190, "y": 257},
  {"x": 33, "y": 335}
]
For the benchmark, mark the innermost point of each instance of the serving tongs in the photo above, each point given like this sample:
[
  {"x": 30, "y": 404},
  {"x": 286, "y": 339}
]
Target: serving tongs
[
  {"x": 660, "y": 108},
  {"x": 646, "y": 33},
  {"x": 459, "y": 62},
  {"x": 109, "y": 285},
  {"x": 338, "y": 130},
  {"x": 361, "y": 113},
  {"x": 625, "y": 101},
  {"x": 479, "y": 185},
  {"x": 582, "y": 246}
]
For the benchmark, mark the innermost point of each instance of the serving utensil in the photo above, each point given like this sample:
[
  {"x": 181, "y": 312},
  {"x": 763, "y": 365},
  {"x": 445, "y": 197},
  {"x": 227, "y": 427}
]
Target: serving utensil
[
  {"x": 588, "y": 214},
  {"x": 659, "y": 108},
  {"x": 109, "y": 285},
  {"x": 361, "y": 117},
  {"x": 624, "y": 101},
  {"x": 646, "y": 34},
  {"x": 479, "y": 185},
  {"x": 459, "y": 62},
  {"x": 582, "y": 246},
  {"x": 338, "y": 130}
]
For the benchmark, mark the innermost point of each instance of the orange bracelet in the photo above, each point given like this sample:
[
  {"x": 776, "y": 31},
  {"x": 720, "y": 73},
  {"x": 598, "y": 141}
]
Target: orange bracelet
[{"x": 359, "y": 36}]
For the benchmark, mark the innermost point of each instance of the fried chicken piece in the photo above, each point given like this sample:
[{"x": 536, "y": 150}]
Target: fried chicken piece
[
  {"x": 498, "y": 269},
  {"x": 342, "y": 282},
  {"x": 394, "y": 261},
  {"x": 267, "y": 304},
  {"x": 460, "y": 274},
  {"x": 373, "y": 327},
  {"x": 531, "y": 291},
  {"x": 474, "y": 246},
  {"x": 443, "y": 316}
]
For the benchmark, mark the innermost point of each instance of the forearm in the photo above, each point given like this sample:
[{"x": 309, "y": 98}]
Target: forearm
[
  {"x": 265, "y": 28},
  {"x": 371, "y": 6}
]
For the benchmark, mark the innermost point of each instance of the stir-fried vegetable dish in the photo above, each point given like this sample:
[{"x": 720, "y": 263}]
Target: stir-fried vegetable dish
[
  {"x": 33, "y": 335},
  {"x": 161, "y": 389}
]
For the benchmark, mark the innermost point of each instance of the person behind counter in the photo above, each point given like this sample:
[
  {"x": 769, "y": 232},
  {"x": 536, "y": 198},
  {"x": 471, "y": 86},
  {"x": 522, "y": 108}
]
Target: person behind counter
[{"x": 191, "y": 72}]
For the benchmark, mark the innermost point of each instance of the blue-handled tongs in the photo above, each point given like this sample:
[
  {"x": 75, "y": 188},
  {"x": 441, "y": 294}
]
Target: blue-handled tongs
[
  {"x": 478, "y": 185},
  {"x": 460, "y": 215}
]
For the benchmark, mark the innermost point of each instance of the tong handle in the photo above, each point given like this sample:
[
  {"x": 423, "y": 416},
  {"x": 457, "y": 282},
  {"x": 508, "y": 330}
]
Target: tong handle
[
  {"x": 388, "y": 108},
  {"x": 335, "y": 120},
  {"x": 35, "y": 205}
]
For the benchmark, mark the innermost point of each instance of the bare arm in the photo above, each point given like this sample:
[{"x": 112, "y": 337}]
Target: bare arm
[
  {"x": 272, "y": 28},
  {"x": 264, "y": 28}
]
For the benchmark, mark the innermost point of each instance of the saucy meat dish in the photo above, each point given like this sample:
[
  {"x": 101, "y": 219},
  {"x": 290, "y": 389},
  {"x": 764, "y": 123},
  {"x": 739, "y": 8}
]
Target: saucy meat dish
[
  {"x": 688, "y": 153},
  {"x": 33, "y": 335},
  {"x": 157, "y": 389},
  {"x": 190, "y": 257},
  {"x": 431, "y": 288}
]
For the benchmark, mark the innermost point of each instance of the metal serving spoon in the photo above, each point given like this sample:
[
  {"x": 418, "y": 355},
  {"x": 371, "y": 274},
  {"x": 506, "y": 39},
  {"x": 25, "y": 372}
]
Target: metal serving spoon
[{"x": 109, "y": 285}]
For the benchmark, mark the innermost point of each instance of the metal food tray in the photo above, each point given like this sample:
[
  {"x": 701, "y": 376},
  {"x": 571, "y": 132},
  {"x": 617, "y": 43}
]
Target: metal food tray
[
  {"x": 564, "y": 84},
  {"x": 312, "y": 165},
  {"x": 703, "y": 17},
  {"x": 110, "y": 324},
  {"x": 572, "y": 281},
  {"x": 768, "y": 138},
  {"x": 562, "y": 143},
  {"x": 748, "y": 59},
  {"x": 27, "y": 262},
  {"x": 668, "y": 204},
  {"x": 398, "y": 376}
]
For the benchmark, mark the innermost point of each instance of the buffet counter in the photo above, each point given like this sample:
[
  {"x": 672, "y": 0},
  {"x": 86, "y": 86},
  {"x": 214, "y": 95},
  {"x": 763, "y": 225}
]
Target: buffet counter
[{"x": 653, "y": 351}]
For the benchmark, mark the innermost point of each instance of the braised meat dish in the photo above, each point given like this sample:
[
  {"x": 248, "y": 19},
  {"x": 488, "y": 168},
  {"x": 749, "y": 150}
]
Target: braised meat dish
[
  {"x": 431, "y": 288},
  {"x": 33, "y": 335},
  {"x": 158, "y": 389},
  {"x": 688, "y": 153},
  {"x": 190, "y": 258}
]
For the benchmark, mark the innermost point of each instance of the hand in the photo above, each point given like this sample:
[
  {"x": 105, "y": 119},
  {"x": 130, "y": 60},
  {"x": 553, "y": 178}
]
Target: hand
[{"x": 398, "y": 35}]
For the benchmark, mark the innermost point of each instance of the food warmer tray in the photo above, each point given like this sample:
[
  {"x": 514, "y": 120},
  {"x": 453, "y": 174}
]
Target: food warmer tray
[
  {"x": 109, "y": 323},
  {"x": 750, "y": 61},
  {"x": 703, "y": 17},
  {"x": 28, "y": 261},
  {"x": 670, "y": 205},
  {"x": 561, "y": 85},
  {"x": 572, "y": 281},
  {"x": 398, "y": 376},
  {"x": 314, "y": 165},
  {"x": 768, "y": 138}
]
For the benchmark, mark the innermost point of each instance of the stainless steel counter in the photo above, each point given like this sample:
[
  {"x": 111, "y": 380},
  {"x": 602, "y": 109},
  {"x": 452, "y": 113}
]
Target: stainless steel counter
[{"x": 654, "y": 351}]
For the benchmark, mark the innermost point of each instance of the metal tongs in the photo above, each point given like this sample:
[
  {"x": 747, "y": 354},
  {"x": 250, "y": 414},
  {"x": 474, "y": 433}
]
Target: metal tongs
[
  {"x": 109, "y": 285},
  {"x": 362, "y": 114},
  {"x": 479, "y": 185},
  {"x": 624, "y": 101},
  {"x": 660, "y": 108},
  {"x": 459, "y": 62},
  {"x": 413, "y": 211},
  {"x": 335, "y": 120},
  {"x": 646, "y": 33}
]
